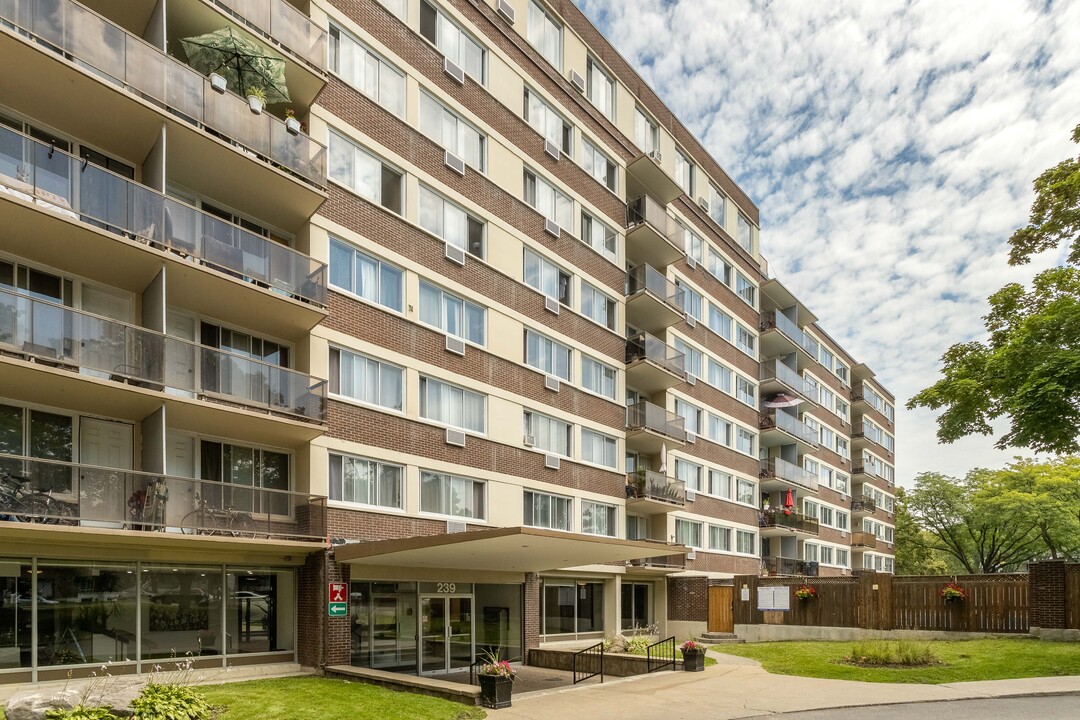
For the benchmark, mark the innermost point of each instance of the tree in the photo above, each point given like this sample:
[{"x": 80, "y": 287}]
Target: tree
[
  {"x": 1029, "y": 368},
  {"x": 916, "y": 551}
]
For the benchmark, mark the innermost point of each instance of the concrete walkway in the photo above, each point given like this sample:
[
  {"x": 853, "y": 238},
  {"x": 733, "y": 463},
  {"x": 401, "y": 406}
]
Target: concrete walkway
[{"x": 738, "y": 688}]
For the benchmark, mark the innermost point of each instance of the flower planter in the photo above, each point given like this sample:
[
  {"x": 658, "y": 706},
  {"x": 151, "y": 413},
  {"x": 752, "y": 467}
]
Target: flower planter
[
  {"x": 495, "y": 691},
  {"x": 693, "y": 660},
  {"x": 292, "y": 125},
  {"x": 218, "y": 82},
  {"x": 256, "y": 104}
]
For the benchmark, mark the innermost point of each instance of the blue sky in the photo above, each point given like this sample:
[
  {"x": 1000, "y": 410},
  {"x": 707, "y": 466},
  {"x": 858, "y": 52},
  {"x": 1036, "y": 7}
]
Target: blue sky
[{"x": 891, "y": 148}]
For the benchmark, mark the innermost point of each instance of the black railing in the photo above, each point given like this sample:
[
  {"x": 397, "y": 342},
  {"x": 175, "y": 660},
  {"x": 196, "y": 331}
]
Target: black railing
[
  {"x": 660, "y": 654},
  {"x": 589, "y": 662}
]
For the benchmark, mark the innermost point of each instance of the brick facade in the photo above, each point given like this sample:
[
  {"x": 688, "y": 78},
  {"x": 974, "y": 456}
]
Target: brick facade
[
  {"x": 688, "y": 598},
  {"x": 1047, "y": 594}
]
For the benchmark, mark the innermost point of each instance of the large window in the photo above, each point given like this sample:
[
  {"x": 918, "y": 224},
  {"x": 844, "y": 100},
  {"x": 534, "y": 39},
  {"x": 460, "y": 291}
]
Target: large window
[
  {"x": 445, "y": 220},
  {"x": 745, "y": 289},
  {"x": 547, "y": 433},
  {"x": 597, "y": 306},
  {"x": 573, "y": 606},
  {"x": 684, "y": 173},
  {"x": 367, "y": 482},
  {"x": 689, "y": 473},
  {"x": 357, "y": 65},
  {"x": 646, "y": 134},
  {"x": 599, "y": 236},
  {"x": 548, "y": 123},
  {"x": 452, "y": 41},
  {"x": 543, "y": 275},
  {"x": 451, "y": 405},
  {"x": 688, "y": 532},
  {"x": 598, "y": 448},
  {"x": 746, "y": 542},
  {"x": 443, "y": 494},
  {"x": 548, "y": 201},
  {"x": 635, "y": 606},
  {"x": 719, "y": 538},
  {"x": 599, "y": 166},
  {"x": 692, "y": 358},
  {"x": 451, "y": 132},
  {"x": 744, "y": 440},
  {"x": 366, "y": 276},
  {"x": 597, "y": 377},
  {"x": 548, "y": 356},
  {"x": 553, "y": 512},
  {"x": 720, "y": 483},
  {"x": 745, "y": 341},
  {"x": 745, "y": 234},
  {"x": 363, "y": 173},
  {"x": 598, "y": 518},
  {"x": 242, "y": 468},
  {"x": 366, "y": 379},
  {"x": 545, "y": 34},
  {"x": 451, "y": 314},
  {"x": 746, "y": 490},
  {"x": 39, "y": 434},
  {"x": 691, "y": 415},
  {"x": 600, "y": 89},
  {"x": 745, "y": 391},
  {"x": 719, "y": 376}
]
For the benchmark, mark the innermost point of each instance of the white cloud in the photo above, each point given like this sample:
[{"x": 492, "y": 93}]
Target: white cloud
[{"x": 890, "y": 148}]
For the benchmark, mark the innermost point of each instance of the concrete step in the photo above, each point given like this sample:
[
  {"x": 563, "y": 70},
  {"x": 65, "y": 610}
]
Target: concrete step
[{"x": 720, "y": 638}]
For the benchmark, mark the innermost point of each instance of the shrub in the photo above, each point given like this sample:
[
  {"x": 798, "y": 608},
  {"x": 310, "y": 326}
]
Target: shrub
[
  {"x": 160, "y": 701},
  {"x": 638, "y": 644},
  {"x": 80, "y": 712},
  {"x": 902, "y": 653}
]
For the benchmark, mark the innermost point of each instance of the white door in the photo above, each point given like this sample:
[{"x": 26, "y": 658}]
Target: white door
[
  {"x": 179, "y": 463},
  {"x": 103, "y": 494},
  {"x": 183, "y": 361},
  {"x": 103, "y": 346}
]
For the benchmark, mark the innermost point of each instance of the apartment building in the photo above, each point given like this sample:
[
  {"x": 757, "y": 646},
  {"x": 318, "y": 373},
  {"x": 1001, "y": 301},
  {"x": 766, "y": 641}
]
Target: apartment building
[{"x": 456, "y": 339}]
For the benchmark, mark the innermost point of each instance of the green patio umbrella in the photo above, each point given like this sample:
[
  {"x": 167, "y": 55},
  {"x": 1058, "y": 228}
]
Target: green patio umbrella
[{"x": 243, "y": 63}]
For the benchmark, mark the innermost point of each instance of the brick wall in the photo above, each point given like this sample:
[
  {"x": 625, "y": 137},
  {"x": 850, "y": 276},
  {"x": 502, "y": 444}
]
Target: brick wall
[
  {"x": 688, "y": 598},
  {"x": 531, "y": 612},
  {"x": 1047, "y": 594}
]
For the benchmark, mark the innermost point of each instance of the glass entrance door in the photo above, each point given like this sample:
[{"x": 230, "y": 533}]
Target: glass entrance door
[{"x": 446, "y": 633}]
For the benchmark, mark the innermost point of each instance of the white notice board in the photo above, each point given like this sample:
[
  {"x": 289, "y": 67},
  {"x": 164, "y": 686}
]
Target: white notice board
[{"x": 774, "y": 598}]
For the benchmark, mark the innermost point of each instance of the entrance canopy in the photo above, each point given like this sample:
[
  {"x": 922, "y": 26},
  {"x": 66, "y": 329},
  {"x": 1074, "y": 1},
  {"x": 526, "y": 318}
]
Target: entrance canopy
[{"x": 514, "y": 549}]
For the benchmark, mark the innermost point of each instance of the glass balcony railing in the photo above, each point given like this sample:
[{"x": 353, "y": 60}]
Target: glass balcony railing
[
  {"x": 649, "y": 485},
  {"x": 647, "y": 347},
  {"x": 643, "y": 415},
  {"x": 776, "y": 518},
  {"x": 789, "y": 566},
  {"x": 105, "y": 348},
  {"x": 781, "y": 322},
  {"x": 789, "y": 424},
  {"x": 62, "y": 183},
  {"x": 64, "y": 493},
  {"x": 771, "y": 369},
  {"x": 646, "y": 210},
  {"x": 285, "y": 25},
  {"x": 128, "y": 61},
  {"x": 644, "y": 278},
  {"x": 788, "y": 472}
]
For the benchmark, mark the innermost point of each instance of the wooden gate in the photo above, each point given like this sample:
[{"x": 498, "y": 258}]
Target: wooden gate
[{"x": 721, "y": 617}]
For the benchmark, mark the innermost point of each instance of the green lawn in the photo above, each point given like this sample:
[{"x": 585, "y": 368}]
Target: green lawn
[
  {"x": 964, "y": 660},
  {"x": 314, "y": 698}
]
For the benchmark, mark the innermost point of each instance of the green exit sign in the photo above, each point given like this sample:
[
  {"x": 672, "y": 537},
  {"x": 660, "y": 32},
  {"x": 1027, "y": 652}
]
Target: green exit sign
[{"x": 337, "y": 609}]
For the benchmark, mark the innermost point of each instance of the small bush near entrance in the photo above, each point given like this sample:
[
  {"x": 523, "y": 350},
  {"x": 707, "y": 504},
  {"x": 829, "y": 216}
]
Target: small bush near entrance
[
  {"x": 892, "y": 653},
  {"x": 79, "y": 712},
  {"x": 171, "y": 702}
]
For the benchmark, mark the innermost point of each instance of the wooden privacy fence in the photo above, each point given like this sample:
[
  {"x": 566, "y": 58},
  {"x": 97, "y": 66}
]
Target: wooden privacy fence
[{"x": 994, "y": 603}]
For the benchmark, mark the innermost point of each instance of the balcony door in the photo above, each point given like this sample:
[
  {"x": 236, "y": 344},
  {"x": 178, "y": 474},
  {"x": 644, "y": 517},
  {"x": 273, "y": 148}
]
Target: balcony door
[{"x": 103, "y": 493}]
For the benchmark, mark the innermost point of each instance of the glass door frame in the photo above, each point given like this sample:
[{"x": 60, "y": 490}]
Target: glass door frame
[{"x": 445, "y": 598}]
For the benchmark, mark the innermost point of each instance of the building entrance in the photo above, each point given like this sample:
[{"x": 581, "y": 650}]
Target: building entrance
[{"x": 447, "y": 642}]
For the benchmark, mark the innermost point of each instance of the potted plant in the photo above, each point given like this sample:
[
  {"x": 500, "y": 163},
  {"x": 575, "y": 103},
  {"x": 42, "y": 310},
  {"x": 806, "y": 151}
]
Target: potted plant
[
  {"x": 953, "y": 593},
  {"x": 693, "y": 655},
  {"x": 218, "y": 82},
  {"x": 806, "y": 593},
  {"x": 496, "y": 681},
  {"x": 256, "y": 98},
  {"x": 292, "y": 123}
]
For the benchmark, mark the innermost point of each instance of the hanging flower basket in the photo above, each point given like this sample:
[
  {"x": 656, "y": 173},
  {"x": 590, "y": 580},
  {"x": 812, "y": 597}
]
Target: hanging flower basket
[
  {"x": 953, "y": 593},
  {"x": 806, "y": 593}
]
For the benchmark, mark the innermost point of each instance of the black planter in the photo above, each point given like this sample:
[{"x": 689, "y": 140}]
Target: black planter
[
  {"x": 495, "y": 691},
  {"x": 693, "y": 661}
]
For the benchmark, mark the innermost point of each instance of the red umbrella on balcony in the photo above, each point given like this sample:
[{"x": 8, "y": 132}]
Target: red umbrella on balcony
[
  {"x": 782, "y": 400},
  {"x": 789, "y": 502}
]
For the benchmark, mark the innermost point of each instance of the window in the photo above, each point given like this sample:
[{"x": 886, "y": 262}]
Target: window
[
  {"x": 571, "y": 606},
  {"x": 719, "y": 538},
  {"x": 745, "y": 289},
  {"x": 688, "y": 532},
  {"x": 366, "y": 276},
  {"x": 367, "y": 380},
  {"x": 637, "y": 527},
  {"x": 843, "y": 373},
  {"x": 38, "y": 434},
  {"x": 720, "y": 430},
  {"x": 745, "y": 391},
  {"x": 599, "y": 236},
  {"x": 451, "y": 132},
  {"x": 745, "y": 234},
  {"x": 548, "y": 434},
  {"x": 635, "y": 605},
  {"x": 691, "y": 414},
  {"x": 692, "y": 358},
  {"x": 597, "y": 518},
  {"x": 889, "y": 503},
  {"x": 548, "y": 356},
  {"x": 888, "y": 534},
  {"x": 719, "y": 268},
  {"x": 684, "y": 173},
  {"x": 745, "y": 340},
  {"x": 451, "y": 405},
  {"x": 451, "y": 314},
  {"x": 600, "y": 89},
  {"x": 827, "y": 437},
  {"x": 720, "y": 483},
  {"x": 689, "y": 473},
  {"x": 461, "y": 497},
  {"x": 447, "y": 221},
  {"x": 810, "y": 509},
  {"x": 548, "y": 123},
  {"x": 746, "y": 490},
  {"x": 842, "y": 447},
  {"x": 746, "y": 542},
  {"x": 692, "y": 300},
  {"x": 744, "y": 440},
  {"x": 597, "y": 377},
  {"x": 548, "y": 201},
  {"x": 363, "y": 173},
  {"x": 841, "y": 483},
  {"x": 545, "y": 34},
  {"x": 827, "y": 398},
  {"x": 553, "y": 512},
  {"x": 543, "y": 275},
  {"x": 695, "y": 246},
  {"x": 367, "y": 482},
  {"x": 597, "y": 448},
  {"x": 717, "y": 203},
  {"x": 826, "y": 358},
  {"x": 397, "y": 7},
  {"x": 841, "y": 520},
  {"x": 719, "y": 376},
  {"x": 842, "y": 557},
  {"x": 720, "y": 322},
  {"x": 598, "y": 166},
  {"x": 358, "y": 66},
  {"x": 646, "y": 134},
  {"x": 452, "y": 41},
  {"x": 597, "y": 306},
  {"x": 825, "y": 515},
  {"x": 249, "y": 467}
]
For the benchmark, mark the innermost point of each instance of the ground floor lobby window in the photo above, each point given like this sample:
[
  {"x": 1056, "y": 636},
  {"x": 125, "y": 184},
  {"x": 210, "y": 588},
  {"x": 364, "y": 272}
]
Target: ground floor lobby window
[
  {"x": 128, "y": 614},
  {"x": 433, "y": 628},
  {"x": 572, "y": 607}
]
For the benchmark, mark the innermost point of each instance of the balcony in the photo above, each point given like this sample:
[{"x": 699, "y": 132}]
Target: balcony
[
  {"x": 781, "y": 336},
  {"x": 645, "y": 176},
  {"x": 63, "y": 196},
  {"x": 659, "y": 565},
  {"x": 652, "y": 493},
  {"x": 650, "y": 427},
  {"x": 776, "y": 377},
  {"x": 775, "y": 522},
  {"x": 52, "y": 335},
  {"x": 653, "y": 303},
  {"x": 283, "y": 24},
  {"x": 652, "y": 365},
  {"x": 863, "y": 539},
  {"x": 864, "y": 505},
  {"x": 46, "y": 494},
  {"x": 789, "y": 566},
  {"x": 780, "y": 428},
  {"x": 214, "y": 140},
  {"x": 652, "y": 237},
  {"x": 778, "y": 474}
]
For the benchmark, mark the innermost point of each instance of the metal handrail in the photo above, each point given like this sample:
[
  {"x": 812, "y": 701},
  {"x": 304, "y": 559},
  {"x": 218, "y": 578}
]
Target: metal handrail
[
  {"x": 592, "y": 661},
  {"x": 666, "y": 652}
]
